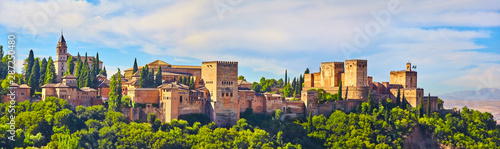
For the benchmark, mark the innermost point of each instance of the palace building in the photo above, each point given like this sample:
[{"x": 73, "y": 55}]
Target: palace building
[
  {"x": 218, "y": 94},
  {"x": 62, "y": 58}
]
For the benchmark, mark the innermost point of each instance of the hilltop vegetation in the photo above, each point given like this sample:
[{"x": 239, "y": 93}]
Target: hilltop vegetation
[{"x": 374, "y": 125}]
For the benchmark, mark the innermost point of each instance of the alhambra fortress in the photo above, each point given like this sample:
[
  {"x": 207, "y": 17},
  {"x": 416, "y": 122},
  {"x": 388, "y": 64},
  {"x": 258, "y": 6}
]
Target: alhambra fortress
[{"x": 220, "y": 96}]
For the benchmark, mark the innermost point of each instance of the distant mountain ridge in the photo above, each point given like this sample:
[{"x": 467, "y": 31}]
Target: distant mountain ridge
[{"x": 484, "y": 94}]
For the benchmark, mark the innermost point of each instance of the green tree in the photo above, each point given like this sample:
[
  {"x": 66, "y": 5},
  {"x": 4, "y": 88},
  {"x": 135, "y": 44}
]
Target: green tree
[
  {"x": 421, "y": 108},
  {"x": 307, "y": 71},
  {"x": 241, "y": 78},
  {"x": 429, "y": 105},
  {"x": 50, "y": 74},
  {"x": 398, "y": 97},
  {"x": 70, "y": 66},
  {"x": 256, "y": 87},
  {"x": 151, "y": 118},
  {"x": 88, "y": 80},
  {"x": 277, "y": 114},
  {"x": 135, "y": 68},
  {"x": 286, "y": 77},
  {"x": 43, "y": 70},
  {"x": 340, "y": 91},
  {"x": 103, "y": 71},
  {"x": 280, "y": 83},
  {"x": 191, "y": 83},
  {"x": 158, "y": 79},
  {"x": 151, "y": 78},
  {"x": 35, "y": 77},
  {"x": 403, "y": 102},
  {"x": 144, "y": 79},
  {"x": 78, "y": 70},
  {"x": 287, "y": 90},
  {"x": 115, "y": 92},
  {"x": 29, "y": 66},
  {"x": 66, "y": 118},
  {"x": 94, "y": 71},
  {"x": 119, "y": 85},
  {"x": 180, "y": 80},
  {"x": 440, "y": 103}
]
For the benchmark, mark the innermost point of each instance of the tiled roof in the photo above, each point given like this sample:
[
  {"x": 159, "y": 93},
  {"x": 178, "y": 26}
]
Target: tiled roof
[
  {"x": 88, "y": 89},
  {"x": 137, "y": 74},
  {"x": 174, "y": 85},
  {"x": 159, "y": 63},
  {"x": 69, "y": 77},
  {"x": 24, "y": 86},
  {"x": 14, "y": 85},
  {"x": 243, "y": 82},
  {"x": 104, "y": 83}
]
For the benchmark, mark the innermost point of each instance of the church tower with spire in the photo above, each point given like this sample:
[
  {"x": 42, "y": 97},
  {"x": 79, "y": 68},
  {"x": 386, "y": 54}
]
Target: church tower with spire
[{"x": 62, "y": 58}]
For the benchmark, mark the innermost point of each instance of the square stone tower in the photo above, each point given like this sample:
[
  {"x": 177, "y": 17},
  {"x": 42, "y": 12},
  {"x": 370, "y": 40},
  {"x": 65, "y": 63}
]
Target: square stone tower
[
  {"x": 407, "y": 78},
  {"x": 221, "y": 79},
  {"x": 331, "y": 73},
  {"x": 355, "y": 73}
]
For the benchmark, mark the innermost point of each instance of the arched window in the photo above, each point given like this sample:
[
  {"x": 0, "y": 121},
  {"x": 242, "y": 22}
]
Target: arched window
[{"x": 180, "y": 99}]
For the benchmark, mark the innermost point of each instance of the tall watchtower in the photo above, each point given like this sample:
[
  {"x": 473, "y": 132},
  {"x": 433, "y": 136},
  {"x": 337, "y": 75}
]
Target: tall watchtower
[
  {"x": 221, "y": 79},
  {"x": 62, "y": 55},
  {"x": 355, "y": 73}
]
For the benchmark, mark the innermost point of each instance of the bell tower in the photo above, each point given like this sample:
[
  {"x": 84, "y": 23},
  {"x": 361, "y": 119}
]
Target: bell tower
[{"x": 62, "y": 55}]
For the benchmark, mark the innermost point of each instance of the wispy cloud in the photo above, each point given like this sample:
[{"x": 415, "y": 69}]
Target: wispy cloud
[{"x": 270, "y": 36}]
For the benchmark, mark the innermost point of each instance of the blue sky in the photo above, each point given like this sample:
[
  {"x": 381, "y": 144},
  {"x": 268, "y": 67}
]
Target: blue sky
[{"x": 455, "y": 44}]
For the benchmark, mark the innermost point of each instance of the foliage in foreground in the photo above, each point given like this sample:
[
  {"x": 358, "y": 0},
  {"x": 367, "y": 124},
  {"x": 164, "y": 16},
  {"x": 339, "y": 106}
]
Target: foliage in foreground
[{"x": 373, "y": 125}]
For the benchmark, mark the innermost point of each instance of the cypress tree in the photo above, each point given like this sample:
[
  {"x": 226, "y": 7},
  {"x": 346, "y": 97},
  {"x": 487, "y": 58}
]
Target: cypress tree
[
  {"x": 94, "y": 72},
  {"x": 191, "y": 83},
  {"x": 88, "y": 81},
  {"x": 43, "y": 70},
  {"x": 85, "y": 69},
  {"x": 112, "y": 94},
  {"x": 398, "y": 98},
  {"x": 35, "y": 77},
  {"x": 403, "y": 103},
  {"x": 103, "y": 71},
  {"x": 286, "y": 77},
  {"x": 310, "y": 123},
  {"x": 70, "y": 66},
  {"x": 84, "y": 75},
  {"x": 186, "y": 80},
  {"x": 50, "y": 74},
  {"x": 429, "y": 105},
  {"x": 143, "y": 80},
  {"x": 119, "y": 86},
  {"x": 339, "y": 94},
  {"x": 180, "y": 80},
  {"x": 151, "y": 78},
  {"x": 158, "y": 79},
  {"x": 1, "y": 52},
  {"x": 135, "y": 69},
  {"x": 29, "y": 66},
  {"x": 307, "y": 71},
  {"x": 420, "y": 108},
  {"x": 97, "y": 70},
  {"x": 301, "y": 82},
  {"x": 78, "y": 70}
]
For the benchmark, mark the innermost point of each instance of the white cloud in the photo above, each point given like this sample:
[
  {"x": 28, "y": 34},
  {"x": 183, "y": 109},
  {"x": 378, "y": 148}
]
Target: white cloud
[{"x": 269, "y": 36}]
